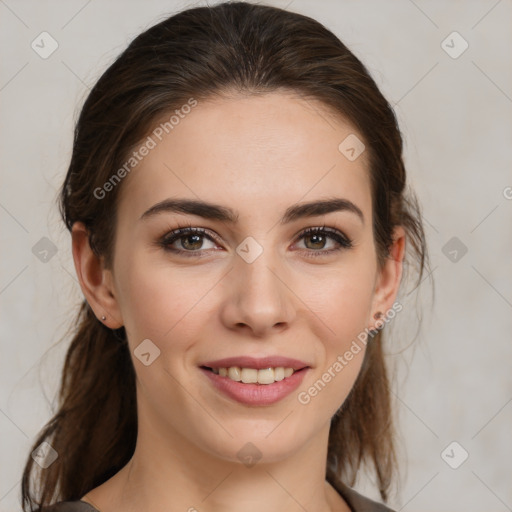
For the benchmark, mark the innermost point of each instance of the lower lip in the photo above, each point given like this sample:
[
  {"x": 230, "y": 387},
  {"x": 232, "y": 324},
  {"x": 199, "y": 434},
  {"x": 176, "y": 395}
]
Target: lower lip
[{"x": 256, "y": 394}]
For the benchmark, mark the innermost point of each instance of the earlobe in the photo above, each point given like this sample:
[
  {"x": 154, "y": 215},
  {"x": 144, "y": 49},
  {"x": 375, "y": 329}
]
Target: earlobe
[
  {"x": 95, "y": 281},
  {"x": 389, "y": 277}
]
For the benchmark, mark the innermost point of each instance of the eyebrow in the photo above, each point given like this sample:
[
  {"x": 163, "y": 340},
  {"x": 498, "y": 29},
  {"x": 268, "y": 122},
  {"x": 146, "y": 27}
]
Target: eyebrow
[{"x": 225, "y": 214}]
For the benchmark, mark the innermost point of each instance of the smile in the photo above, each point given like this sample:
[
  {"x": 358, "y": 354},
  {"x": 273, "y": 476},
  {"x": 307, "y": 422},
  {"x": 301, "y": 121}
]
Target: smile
[
  {"x": 248, "y": 390},
  {"x": 253, "y": 375}
]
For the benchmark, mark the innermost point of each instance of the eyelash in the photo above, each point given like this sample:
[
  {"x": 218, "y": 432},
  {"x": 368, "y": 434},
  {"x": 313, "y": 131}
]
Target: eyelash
[{"x": 168, "y": 239}]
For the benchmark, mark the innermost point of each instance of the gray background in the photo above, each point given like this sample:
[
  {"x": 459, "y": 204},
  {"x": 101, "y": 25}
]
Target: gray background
[{"x": 453, "y": 380}]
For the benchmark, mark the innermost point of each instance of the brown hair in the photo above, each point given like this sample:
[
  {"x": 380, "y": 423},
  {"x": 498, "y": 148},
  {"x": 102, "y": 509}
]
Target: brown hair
[{"x": 202, "y": 52}]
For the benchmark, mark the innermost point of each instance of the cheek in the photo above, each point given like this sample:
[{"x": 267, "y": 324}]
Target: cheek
[
  {"x": 342, "y": 302},
  {"x": 342, "y": 310},
  {"x": 159, "y": 301}
]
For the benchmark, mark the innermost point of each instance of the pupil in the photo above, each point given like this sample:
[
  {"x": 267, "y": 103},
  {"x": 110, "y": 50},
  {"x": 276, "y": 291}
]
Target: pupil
[
  {"x": 317, "y": 236},
  {"x": 189, "y": 237}
]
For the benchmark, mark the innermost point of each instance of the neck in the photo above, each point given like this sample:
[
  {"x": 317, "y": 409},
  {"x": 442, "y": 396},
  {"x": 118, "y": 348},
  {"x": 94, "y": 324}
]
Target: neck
[{"x": 168, "y": 472}]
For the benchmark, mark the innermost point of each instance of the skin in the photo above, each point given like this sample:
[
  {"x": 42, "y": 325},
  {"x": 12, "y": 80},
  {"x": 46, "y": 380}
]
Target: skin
[{"x": 257, "y": 155}]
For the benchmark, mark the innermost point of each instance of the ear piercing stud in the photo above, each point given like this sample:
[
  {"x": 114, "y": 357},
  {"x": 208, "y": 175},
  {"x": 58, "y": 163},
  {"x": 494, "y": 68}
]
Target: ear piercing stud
[
  {"x": 376, "y": 316},
  {"x": 103, "y": 318}
]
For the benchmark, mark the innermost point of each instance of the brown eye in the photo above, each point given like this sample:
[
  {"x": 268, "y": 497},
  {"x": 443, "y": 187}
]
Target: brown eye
[
  {"x": 191, "y": 241},
  {"x": 318, "y": 238}
]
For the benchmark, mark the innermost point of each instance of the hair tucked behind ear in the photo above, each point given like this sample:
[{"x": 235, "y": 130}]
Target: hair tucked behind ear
[{"x": 199, "y": 54}]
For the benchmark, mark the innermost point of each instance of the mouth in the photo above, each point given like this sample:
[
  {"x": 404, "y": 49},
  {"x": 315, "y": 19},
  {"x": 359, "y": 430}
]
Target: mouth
[
  {"x": 255, "y": 387},
  {"x": 262, "y": 376}
]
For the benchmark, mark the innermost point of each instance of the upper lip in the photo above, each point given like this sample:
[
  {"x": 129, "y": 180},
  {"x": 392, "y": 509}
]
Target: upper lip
[{"x": 257, "y": 363}]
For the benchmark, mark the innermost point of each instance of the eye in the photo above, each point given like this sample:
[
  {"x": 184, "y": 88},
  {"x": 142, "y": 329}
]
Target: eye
[
  {"x": 319, "y": 237},
  {"x": 190, "y": 240}
]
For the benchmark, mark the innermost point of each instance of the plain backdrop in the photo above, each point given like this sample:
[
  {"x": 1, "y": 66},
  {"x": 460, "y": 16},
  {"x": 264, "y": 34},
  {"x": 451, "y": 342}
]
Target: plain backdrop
[{"x": 453, "y": 98}]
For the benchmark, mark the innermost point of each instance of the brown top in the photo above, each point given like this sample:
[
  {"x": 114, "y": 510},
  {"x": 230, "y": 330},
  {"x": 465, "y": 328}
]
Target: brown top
[{"x": 356, "y": 502}]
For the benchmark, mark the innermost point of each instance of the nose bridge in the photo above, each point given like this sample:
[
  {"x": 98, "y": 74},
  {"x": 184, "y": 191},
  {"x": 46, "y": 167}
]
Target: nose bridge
[
  {"x": 261, "y": 299},
  {"x": 257, "y": 265}
]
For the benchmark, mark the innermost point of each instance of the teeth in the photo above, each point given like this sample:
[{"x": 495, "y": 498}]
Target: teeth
[
  {"x": 253, "y": 376},
  {"x": 234, "y": 373}
]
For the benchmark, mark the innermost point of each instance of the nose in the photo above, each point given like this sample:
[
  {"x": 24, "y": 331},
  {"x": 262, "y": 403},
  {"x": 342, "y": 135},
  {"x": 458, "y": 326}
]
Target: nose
[{"x": 257, "y": 297}]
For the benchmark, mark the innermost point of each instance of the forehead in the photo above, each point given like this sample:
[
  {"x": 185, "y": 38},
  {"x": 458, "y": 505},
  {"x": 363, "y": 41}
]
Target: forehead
[{"x": 243, "y": 151}]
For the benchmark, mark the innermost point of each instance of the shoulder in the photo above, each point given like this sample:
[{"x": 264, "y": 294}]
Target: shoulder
[
  {"x": 357, "y": 502},
  {"x": 69, "y": 506}
]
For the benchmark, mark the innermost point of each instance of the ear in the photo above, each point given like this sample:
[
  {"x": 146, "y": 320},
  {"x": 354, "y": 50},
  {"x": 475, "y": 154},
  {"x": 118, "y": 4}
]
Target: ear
[
  {"x": 96, "y": 281},
  {"x": 388, "y": 278}
]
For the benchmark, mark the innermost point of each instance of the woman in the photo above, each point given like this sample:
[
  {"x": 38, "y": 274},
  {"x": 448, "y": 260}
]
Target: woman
[{"x": 239, "y": 217}]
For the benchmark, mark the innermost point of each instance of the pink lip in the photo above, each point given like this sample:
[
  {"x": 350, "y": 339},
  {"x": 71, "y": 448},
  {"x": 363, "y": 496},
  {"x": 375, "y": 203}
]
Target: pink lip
[
  {"x": 256, "y": 394},
  {"x": 257, "y": 363}
]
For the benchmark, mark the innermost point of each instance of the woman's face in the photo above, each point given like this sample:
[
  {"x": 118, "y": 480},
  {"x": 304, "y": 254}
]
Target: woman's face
[{"x": 252, "y": 286}]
